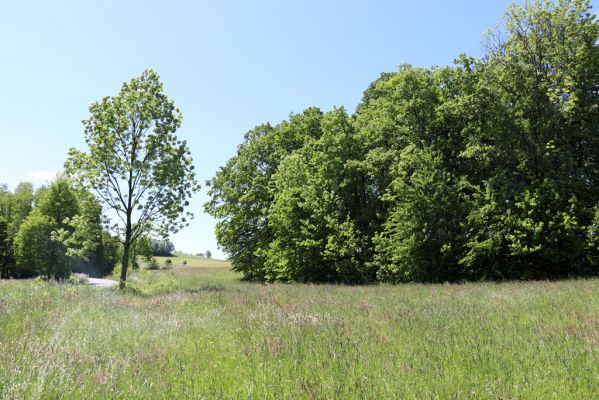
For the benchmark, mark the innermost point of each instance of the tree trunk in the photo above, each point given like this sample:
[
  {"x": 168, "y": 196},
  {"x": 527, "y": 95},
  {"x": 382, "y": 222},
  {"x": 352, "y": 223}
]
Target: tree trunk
[
  {"x": 128, "y": 226},
  {"x": 124, "y": 263},
  {"x": 127, "y": 243}
]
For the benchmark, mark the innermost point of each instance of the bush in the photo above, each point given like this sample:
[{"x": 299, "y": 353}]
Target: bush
[
  {"x": 35, "y": 251},
  {"x": 184, "y": 262},
  {"x": 153, "y": 264},
  {"x": 168, "y": 264}
]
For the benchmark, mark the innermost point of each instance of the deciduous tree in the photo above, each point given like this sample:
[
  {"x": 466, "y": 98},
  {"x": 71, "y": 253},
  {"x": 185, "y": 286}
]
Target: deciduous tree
[{"x": 135, "y": 164}]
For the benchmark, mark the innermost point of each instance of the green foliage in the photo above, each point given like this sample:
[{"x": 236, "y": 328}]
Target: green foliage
[
  {"x": 153, "y": 264},
  {"x": 21, "y": 204},
  {"x": 36, "y": 252},
  {"x": 103, "y": 258},
  {"x": 70, "y": 235},
  {"x": 94, "y": 251},
  {"x": 314, "y": 238},
  {"x": 39, "y": 248},
  {"x": 424, "y": 235},
  {"x": 241, "y": 191},
  {"x": 534, "y": 201},
  {"x": 5, "y": 249},
  {"x": 162, "y": 247},
  {"x": 135, "y": 164},
  {"x": 141, "y": 249},
  {"x": 593, "y": 239},
  {"x": 14, "y": 208},
  {"x": 60, "y": 203},
  {"x": 486, "y": 169}
]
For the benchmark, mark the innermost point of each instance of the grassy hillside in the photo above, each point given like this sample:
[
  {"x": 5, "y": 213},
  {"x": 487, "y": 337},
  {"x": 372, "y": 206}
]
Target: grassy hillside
[
  {"x": 186, "y": 260},
  {"x": 197, "y": 332},
  {"x": 186, "y": 272}
]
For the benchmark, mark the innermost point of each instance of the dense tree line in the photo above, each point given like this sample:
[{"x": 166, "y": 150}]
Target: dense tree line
[
  {"x": 52, "y": 232},
  {"x": 14, "y": 208},
  {"x": 486, "y": 169},
  {"x": 164, "y": 248}
]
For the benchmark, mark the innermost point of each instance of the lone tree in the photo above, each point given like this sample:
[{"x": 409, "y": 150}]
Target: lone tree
[{"x": 136, "y": 165}]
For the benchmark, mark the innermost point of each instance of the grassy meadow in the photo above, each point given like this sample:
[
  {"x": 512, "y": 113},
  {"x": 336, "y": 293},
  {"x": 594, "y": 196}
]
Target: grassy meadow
[{"x": 197, "y": 332}]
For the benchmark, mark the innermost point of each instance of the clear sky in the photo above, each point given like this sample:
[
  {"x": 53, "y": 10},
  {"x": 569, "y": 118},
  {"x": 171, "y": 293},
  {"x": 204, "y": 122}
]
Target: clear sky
[{"x": 228, "y": 66}]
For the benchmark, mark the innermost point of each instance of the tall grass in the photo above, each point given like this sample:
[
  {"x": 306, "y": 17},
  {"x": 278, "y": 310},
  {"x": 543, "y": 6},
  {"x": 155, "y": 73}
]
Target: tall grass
[{"x": 200, "y": 333}]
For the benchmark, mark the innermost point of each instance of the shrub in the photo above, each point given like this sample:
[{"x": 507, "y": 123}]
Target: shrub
[
  {"x": 153, "y": 264},
  {"x": 36, "y": 253}
]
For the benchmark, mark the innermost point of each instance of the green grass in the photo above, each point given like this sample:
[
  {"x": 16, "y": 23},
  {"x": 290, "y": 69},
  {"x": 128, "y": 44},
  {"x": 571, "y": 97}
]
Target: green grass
[
  {"x": 193, "y": 261},
  {"x": 197, "y": 332},
  {"x": 198, "y": 272}
]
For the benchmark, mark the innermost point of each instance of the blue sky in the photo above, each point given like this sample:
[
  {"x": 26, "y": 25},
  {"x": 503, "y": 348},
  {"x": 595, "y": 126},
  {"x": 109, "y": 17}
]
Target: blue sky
[{"x": 228, "y": 65}]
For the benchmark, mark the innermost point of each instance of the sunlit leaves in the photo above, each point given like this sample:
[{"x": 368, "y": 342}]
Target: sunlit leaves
[
  {"x": 135, "y": 164},
  {"x": 484, "y": 169}
]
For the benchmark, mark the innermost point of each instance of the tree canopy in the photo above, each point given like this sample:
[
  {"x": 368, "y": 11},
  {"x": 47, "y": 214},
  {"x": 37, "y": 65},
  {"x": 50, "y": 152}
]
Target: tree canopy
[
  {"x": 486, "y": 169},
  {"x": 61, "y": 233},
  {"x": 135, "y": 164}
]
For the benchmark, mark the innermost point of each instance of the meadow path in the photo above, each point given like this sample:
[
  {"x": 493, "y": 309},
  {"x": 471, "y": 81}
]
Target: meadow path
[{"x": 96, "y": 282}]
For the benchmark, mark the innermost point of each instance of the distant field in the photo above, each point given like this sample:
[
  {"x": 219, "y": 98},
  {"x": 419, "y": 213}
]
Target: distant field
[
  {"x": 198, "y": 332},
  {"x": 194, "y": 261},
  {"x": 197, "y": 272}
]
